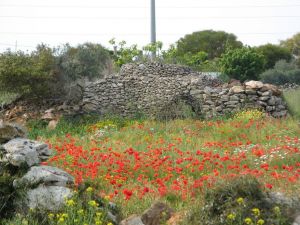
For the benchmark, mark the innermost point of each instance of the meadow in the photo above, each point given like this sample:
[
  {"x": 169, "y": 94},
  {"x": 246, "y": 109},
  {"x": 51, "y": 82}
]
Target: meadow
[{"x": 136, "y": 162}]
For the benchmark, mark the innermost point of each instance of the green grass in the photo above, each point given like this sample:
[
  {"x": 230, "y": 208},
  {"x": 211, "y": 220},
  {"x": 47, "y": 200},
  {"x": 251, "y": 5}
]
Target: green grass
[
  {"x": 7, "y": 97},
  {"x": 292, "y": 98},
  {"x": 136, "y": 154}
]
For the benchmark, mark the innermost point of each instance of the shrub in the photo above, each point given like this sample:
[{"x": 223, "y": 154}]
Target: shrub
[
  {"x": 27, "y": 74},
  {"x": 283, "y": 72},
  {"x": 86, "y": 60},
  {"x": 273, "y": 53},
  {"x": 236, "y": 202},
  {"x": 242, "y": 63},
  {"x": 85, "y": 207}
]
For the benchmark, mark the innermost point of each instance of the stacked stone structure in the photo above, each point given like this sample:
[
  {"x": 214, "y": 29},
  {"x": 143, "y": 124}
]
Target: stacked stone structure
[{"x": 152, "y": 88}]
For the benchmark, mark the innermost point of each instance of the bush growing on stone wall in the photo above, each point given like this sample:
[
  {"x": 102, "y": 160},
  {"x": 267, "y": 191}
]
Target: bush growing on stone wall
[
  {"x": 242, "y": 63},
  {"x": 198, "y": 61},
  {"x": 123, "y": 54}
]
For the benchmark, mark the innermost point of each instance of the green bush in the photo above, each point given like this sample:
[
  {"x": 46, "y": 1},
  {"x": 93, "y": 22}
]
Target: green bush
[
  {"x": 242, "y": 63},
  {"x": 236, "y": 201},
  {"x": 46, "y": 72},
  {"x": 86, "y": 60},
  {"x": 27, "y": 74},
  {"x": 273, "y": 53},
  {"x": 283, "y": 72}
]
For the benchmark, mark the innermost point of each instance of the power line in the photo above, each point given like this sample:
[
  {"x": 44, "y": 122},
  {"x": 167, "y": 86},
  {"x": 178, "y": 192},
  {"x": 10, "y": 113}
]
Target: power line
[
  {"x": 141, "y": 7},
  {"x": 127, "y": 34},
  {"x": 139, "y": 18}
]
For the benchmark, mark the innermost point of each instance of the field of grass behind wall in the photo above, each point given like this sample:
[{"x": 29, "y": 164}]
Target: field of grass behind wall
[{"x": 292, "y": 97}]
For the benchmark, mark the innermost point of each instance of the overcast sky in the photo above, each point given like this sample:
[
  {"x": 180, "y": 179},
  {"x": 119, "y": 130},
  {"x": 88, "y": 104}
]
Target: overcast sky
[{"x": 25, "y": 23}]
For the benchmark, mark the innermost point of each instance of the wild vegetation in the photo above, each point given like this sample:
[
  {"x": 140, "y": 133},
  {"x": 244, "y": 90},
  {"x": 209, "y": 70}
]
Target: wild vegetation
[
  {"x": 135, "y": 162},
  {"x": 41, "y": 73},
  {"x": 214, "y": 172},
  {"x": 292, "y": 98}
]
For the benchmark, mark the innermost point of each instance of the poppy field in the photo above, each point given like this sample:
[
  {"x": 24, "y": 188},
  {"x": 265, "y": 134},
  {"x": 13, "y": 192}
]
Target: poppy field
[{"x": 176, "y": 161}]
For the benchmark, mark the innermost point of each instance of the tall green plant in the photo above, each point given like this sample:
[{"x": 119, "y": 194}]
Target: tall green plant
[{"x": 242, "y": 63}]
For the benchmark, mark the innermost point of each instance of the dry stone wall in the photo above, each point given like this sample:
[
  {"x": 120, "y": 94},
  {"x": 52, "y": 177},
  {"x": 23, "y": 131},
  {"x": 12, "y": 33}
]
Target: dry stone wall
[{"x": 155, "y": 88}]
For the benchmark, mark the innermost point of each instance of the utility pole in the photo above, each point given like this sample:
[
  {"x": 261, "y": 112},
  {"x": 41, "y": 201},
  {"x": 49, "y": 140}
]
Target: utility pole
[{"x": 153, "y": 26}]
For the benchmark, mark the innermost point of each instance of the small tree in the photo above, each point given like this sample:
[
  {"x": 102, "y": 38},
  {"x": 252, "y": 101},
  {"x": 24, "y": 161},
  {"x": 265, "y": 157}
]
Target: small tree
[
  {"x": 87, "y": 60},
  {"x": 214, "y": 43},
  {"x": 273, "y": 53},
  {"x": 123, "y": 54},
  {"x": 242, "y": 63}
]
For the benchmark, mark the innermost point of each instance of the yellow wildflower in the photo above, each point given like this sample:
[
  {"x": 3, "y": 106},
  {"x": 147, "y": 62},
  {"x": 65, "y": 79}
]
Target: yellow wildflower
[
  {"x": 256, "y": 212},
  {"x": 50, "y": 216},
  {"x": 64, "y": 215},
  {"x": 98, "y": 214},
  {"x": 240, "y": 201},
  {"x": 260, "y": 222},
  {"x": 70, "y": 202},
  {"x": 248, "y": 221},
  {"x": 80, "y": 211},
  {"x": 93, "y": 203},
  {"x": 98, "y": 222},
  {"x": 89, "y": 189},
  {"x": 61, "y": 220},
  {"x": 231, "y": 216}
]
